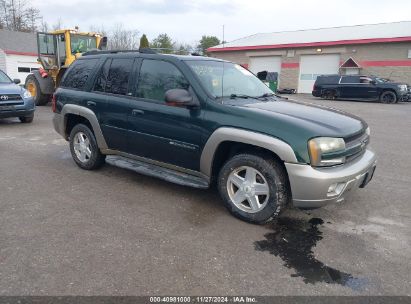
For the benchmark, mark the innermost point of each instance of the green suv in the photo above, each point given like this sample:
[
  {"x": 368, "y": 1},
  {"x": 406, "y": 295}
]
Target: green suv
[{"x": 196, "y": 121}]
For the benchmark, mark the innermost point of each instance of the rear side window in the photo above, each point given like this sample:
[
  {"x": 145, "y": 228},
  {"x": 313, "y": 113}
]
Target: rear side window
[
  {"x": 77, "y": 75},
  {"x": 157, "y": 77},
  {"x": 114, "y": 76},
  {"x": 332, "y": 79},
  {"x": 350, "y": 79}
]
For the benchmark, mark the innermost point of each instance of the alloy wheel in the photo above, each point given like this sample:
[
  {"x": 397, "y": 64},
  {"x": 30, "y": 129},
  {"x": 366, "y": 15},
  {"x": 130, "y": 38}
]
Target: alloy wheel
[
  {"x": 248, "y": 189},
  {"x": 82, "y": 147}
]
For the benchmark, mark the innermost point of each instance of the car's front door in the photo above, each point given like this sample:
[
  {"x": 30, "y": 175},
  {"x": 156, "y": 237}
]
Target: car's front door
[
  {"x": 158, "y": 131},
  {"x": 112, "y": 97},
  {"x": 367, "y": 88}
]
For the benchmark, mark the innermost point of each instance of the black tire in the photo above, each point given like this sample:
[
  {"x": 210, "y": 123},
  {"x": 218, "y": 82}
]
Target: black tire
[
  {"x": 27, "y": 119},
  {"x": 328, "y": 94},
  {"x": 40, "y": 99},
  {"x": 388, "y": 97},
  {"x": 275, "y": 177},
  {"x": 95, "y": 160}
]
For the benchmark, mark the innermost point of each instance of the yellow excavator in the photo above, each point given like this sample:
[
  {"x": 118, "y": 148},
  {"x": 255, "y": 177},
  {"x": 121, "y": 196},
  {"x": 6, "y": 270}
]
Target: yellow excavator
[{"x": 57, "y": 50}]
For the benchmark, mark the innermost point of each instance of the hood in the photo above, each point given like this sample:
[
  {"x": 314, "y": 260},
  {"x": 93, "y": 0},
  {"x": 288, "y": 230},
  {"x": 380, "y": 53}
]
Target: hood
[
  {"x": 325, "y": 121},
  {"x": 10, "y": 88}
]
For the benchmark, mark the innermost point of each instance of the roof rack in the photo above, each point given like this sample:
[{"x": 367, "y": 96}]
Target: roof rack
[{"x": 99, "y": 52}]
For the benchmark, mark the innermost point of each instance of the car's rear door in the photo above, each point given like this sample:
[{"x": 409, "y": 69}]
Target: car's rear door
[
  {"x": 112, "y": 94},
  {"x": 158, "y": 131},
  {"x": 350, "y": 86}
]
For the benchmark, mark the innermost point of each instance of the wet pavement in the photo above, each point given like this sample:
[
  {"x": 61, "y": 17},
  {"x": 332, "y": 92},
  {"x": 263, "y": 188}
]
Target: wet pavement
[{"x": 67, "y": 231}]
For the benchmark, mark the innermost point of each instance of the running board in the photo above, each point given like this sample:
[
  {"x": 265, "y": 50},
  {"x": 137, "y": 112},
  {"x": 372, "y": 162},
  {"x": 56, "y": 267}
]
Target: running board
[{"x": 169, "y": 175}]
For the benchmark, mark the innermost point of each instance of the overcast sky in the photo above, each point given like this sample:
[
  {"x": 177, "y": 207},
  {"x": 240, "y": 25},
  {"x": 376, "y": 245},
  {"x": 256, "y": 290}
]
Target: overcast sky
[{"x": 186, "y": 21}]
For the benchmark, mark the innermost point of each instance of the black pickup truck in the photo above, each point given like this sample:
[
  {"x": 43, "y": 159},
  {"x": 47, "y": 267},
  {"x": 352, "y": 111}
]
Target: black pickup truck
[{"x": 355, "y": 87}]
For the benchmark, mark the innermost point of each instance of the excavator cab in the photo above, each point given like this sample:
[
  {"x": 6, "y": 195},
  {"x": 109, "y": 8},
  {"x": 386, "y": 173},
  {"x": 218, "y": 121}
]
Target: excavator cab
[{"x": 57, "y": 51}]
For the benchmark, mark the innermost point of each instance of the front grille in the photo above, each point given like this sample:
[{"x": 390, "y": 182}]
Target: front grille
[
  {"x": 10, "y": 97},
  {"x": 356, "y": 145}
]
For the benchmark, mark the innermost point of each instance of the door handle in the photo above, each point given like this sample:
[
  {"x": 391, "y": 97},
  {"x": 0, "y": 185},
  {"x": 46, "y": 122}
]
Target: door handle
[
  {"x": 91, "y": 103},
  {"x": 136, "y": 112}
]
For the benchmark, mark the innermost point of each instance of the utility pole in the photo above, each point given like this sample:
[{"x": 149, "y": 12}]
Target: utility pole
[{"x": 223, "y": 35}]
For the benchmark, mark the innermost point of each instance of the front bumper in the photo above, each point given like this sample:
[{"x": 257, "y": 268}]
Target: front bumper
[
  {"x": 311, "y": 187},
  {"x": 18, "y": 108}
]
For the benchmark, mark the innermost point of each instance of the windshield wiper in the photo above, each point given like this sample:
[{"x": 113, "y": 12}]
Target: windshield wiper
[
  {"x": 233, "y": 96},
  {"x": 271, "y": 95}
]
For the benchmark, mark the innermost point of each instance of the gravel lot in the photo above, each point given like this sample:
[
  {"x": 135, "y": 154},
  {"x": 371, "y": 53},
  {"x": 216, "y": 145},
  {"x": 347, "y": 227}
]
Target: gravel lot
[{"x": 65, "y": 231}]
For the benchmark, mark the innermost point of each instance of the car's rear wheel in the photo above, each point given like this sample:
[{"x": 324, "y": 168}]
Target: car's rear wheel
[
  {"x": 328, "y": 94},
  {"x": 33, "y": 86},
  {"x": 388, "y": 97},
  {"x": 84, "y": 148},
  {"x": 27, "y": 119},
  {"x": 253, "y": 187}
]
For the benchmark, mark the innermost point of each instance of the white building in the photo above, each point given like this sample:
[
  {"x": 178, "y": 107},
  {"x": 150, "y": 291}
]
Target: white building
[{"x": 18, "y": 53}]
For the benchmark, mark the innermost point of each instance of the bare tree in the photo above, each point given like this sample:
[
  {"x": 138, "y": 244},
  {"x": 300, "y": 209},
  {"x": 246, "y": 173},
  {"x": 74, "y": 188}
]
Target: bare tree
[
  {"x": 120, "y": 38},
  {"x": 58, "y": 25},
  {"x": 17, "y": 15}
]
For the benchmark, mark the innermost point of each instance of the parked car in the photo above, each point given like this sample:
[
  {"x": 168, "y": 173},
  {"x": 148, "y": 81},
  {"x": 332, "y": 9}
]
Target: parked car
[
  {"x": 353, "y": 87},
  {"x": 15, "y": 101},
  {"x": 177, "y": 118}
]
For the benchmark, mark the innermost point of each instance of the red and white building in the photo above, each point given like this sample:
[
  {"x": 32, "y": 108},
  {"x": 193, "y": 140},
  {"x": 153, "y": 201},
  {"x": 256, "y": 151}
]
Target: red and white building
[
  {"x": 299, "y": 56},
  {"x": 18, "y": 53}
]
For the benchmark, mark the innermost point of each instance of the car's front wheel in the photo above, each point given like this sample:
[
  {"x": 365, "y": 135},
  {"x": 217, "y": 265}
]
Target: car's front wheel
[
  {"x": 253, "y": 187},
  {"x": 27, "y": 119},
  {"x": 388, "y": 97},
  {"x": 84, "y": 148}
]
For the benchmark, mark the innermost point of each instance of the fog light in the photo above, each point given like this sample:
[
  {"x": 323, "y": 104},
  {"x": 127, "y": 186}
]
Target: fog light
[{"x": 335, "y": 189}]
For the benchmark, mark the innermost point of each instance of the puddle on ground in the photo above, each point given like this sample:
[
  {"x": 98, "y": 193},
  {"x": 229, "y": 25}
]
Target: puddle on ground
[{"x": 293, "y": 241}]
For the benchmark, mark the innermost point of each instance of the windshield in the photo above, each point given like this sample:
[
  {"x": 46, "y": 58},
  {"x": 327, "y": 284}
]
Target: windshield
[
  {"x": 236, "y": 80},
  {"x": 81, "y": 44},
  {"x": 4, "y": 78}
]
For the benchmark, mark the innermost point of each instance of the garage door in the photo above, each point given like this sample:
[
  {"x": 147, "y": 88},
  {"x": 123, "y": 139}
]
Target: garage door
[
  {"x": 313, "y": 65},
  {"x": 269, "y": 64}
]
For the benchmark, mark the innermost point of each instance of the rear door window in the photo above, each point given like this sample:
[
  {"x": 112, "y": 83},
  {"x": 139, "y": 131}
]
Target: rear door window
[
  {"x": 350, "y": 79},
  {"x": 157, "y": 77},
  {"x": 101, "y": 81},
  {"x": 114, "y": 76},
  {"x": 119, "y": 76},
  {"x": 77, "y": 75}
]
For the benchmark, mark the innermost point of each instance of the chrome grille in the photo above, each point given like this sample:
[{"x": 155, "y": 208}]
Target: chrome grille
[
  {"x": 356, "y": 145},
  {"x": 9, "y": 97}
]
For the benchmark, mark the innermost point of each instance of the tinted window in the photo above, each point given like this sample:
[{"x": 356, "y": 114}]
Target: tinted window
[
  {"x": 365, "y": 80},
  {"x": 101, "y": 80},
  {"x": 119, "y": 75},
  {"x": 333, "y": 79},
  {"x": 23, "y": 70},
  {"x": 350, "y": 79},
  {"x": 157, "y": 77},
  {"x": 78, "y": 74}
]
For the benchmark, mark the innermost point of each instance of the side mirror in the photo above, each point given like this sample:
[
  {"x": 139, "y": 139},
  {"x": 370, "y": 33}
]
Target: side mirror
[
  {"x": 180, "y": 98},
  {"x": 373, "y": 82},
  {"x": 16, "y": 81}
]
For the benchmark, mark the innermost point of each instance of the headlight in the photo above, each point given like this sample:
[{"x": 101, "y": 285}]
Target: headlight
[
  {"x": 26, "y": 94},
  {"x": 368, "y": 131},
  {"x": 324, "y": 151},
  {"x": 403, "y": 87}
]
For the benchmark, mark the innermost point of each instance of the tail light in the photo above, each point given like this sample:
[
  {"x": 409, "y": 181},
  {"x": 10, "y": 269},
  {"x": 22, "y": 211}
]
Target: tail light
[{"x": 53, "y": 103}]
